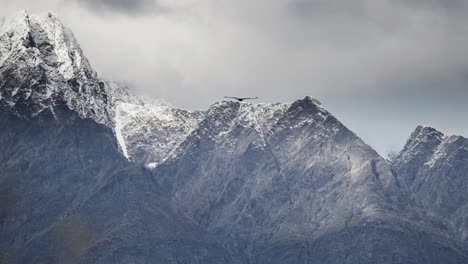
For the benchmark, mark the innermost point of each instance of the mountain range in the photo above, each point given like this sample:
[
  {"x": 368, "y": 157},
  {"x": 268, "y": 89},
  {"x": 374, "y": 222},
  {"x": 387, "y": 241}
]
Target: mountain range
[{"x": 90, "y": 173}]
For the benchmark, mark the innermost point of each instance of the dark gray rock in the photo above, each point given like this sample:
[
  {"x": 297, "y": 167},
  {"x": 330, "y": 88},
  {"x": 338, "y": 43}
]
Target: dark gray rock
[
  {"x": 435, "y": 167},
  {"x": 69, "y": 196}
]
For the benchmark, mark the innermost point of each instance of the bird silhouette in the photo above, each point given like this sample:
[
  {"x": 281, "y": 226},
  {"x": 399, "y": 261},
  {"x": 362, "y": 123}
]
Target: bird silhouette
[{"x": 240, "y": 99}]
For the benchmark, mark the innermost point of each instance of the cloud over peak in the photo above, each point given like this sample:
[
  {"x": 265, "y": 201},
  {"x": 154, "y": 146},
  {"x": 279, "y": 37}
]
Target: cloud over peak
[{"x": 131, "y": 7}]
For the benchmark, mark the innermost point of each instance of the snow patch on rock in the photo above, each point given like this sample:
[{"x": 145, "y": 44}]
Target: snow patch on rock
[{"x": 149, "y": 132}]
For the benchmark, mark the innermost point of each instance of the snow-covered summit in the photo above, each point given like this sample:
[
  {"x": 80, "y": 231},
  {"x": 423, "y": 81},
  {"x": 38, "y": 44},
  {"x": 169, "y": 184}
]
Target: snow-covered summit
[
  {"x": 56, "y": 43},
  {"x": 42, "y": 66}
]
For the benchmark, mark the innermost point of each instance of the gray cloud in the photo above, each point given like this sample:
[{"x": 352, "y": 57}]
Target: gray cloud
[
  {"x": 381, "y": 66},
  {"x": 121, "y": 6}
]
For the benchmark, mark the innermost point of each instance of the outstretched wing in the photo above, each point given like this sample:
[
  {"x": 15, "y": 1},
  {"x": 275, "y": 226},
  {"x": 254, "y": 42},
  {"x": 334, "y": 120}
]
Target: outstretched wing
[
  {"x": 230, "y": 97},
  {"x": 241, "y": 98}
]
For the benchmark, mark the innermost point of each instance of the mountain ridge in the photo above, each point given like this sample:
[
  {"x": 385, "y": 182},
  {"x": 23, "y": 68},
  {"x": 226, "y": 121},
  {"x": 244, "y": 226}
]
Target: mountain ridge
[
  {"x": 228, "y": 181},
  {"x": 67, "y": 194},
  {"x": 236, "y": 183}
]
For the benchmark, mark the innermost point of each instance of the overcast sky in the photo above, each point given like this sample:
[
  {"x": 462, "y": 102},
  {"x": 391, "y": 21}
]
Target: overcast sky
[{"x": 381, "y": 66}]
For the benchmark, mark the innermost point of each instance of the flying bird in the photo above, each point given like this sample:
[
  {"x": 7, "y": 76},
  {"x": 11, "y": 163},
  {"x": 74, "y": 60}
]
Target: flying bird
[{"x": 240, "y": 99}]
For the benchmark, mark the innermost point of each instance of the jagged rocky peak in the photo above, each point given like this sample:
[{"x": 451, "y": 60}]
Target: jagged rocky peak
[
  {"x": 308, "y": 110},
  {"x": 42, "y": 66},
  {"x": 426, "y": 148},
  {"x": 55, "y": 43},
  {"x": 420, "y": 146},
  {"x": 426, "y": 134},
  {"x": 308, "y": 103},
  {"x": 423, "y": 140},
  {"x": 435, "y": 168}
]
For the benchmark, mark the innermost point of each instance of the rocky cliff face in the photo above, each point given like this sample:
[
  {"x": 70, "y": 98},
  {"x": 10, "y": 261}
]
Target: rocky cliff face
[
  {"x": 69, "y": 196},
  {"x": 435, "y": 167},
  {"x": 238, "y": 183}
]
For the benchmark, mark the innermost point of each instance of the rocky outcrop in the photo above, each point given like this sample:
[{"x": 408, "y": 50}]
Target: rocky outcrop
[{"x": 435, "y": 167}]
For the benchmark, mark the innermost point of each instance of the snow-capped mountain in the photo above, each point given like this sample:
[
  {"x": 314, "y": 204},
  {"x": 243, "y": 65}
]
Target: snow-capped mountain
[
  {"x": 237, "y": 183},
  {"x": 67, "y": 194},
  {"x": 42, "y": 65},
  {"x": 435, "y": 167}
]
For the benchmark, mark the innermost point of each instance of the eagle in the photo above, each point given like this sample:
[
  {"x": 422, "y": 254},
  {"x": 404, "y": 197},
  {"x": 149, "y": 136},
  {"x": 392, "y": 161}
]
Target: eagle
[{"x": 240, "y": 99}]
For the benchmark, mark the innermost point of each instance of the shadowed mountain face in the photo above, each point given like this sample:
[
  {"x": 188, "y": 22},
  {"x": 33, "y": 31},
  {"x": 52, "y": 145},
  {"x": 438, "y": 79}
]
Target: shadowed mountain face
[
  {"x": 69, "y": 196},
  {"x": 238, "y": 183},
  {"x": 435, "y": 167}
]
